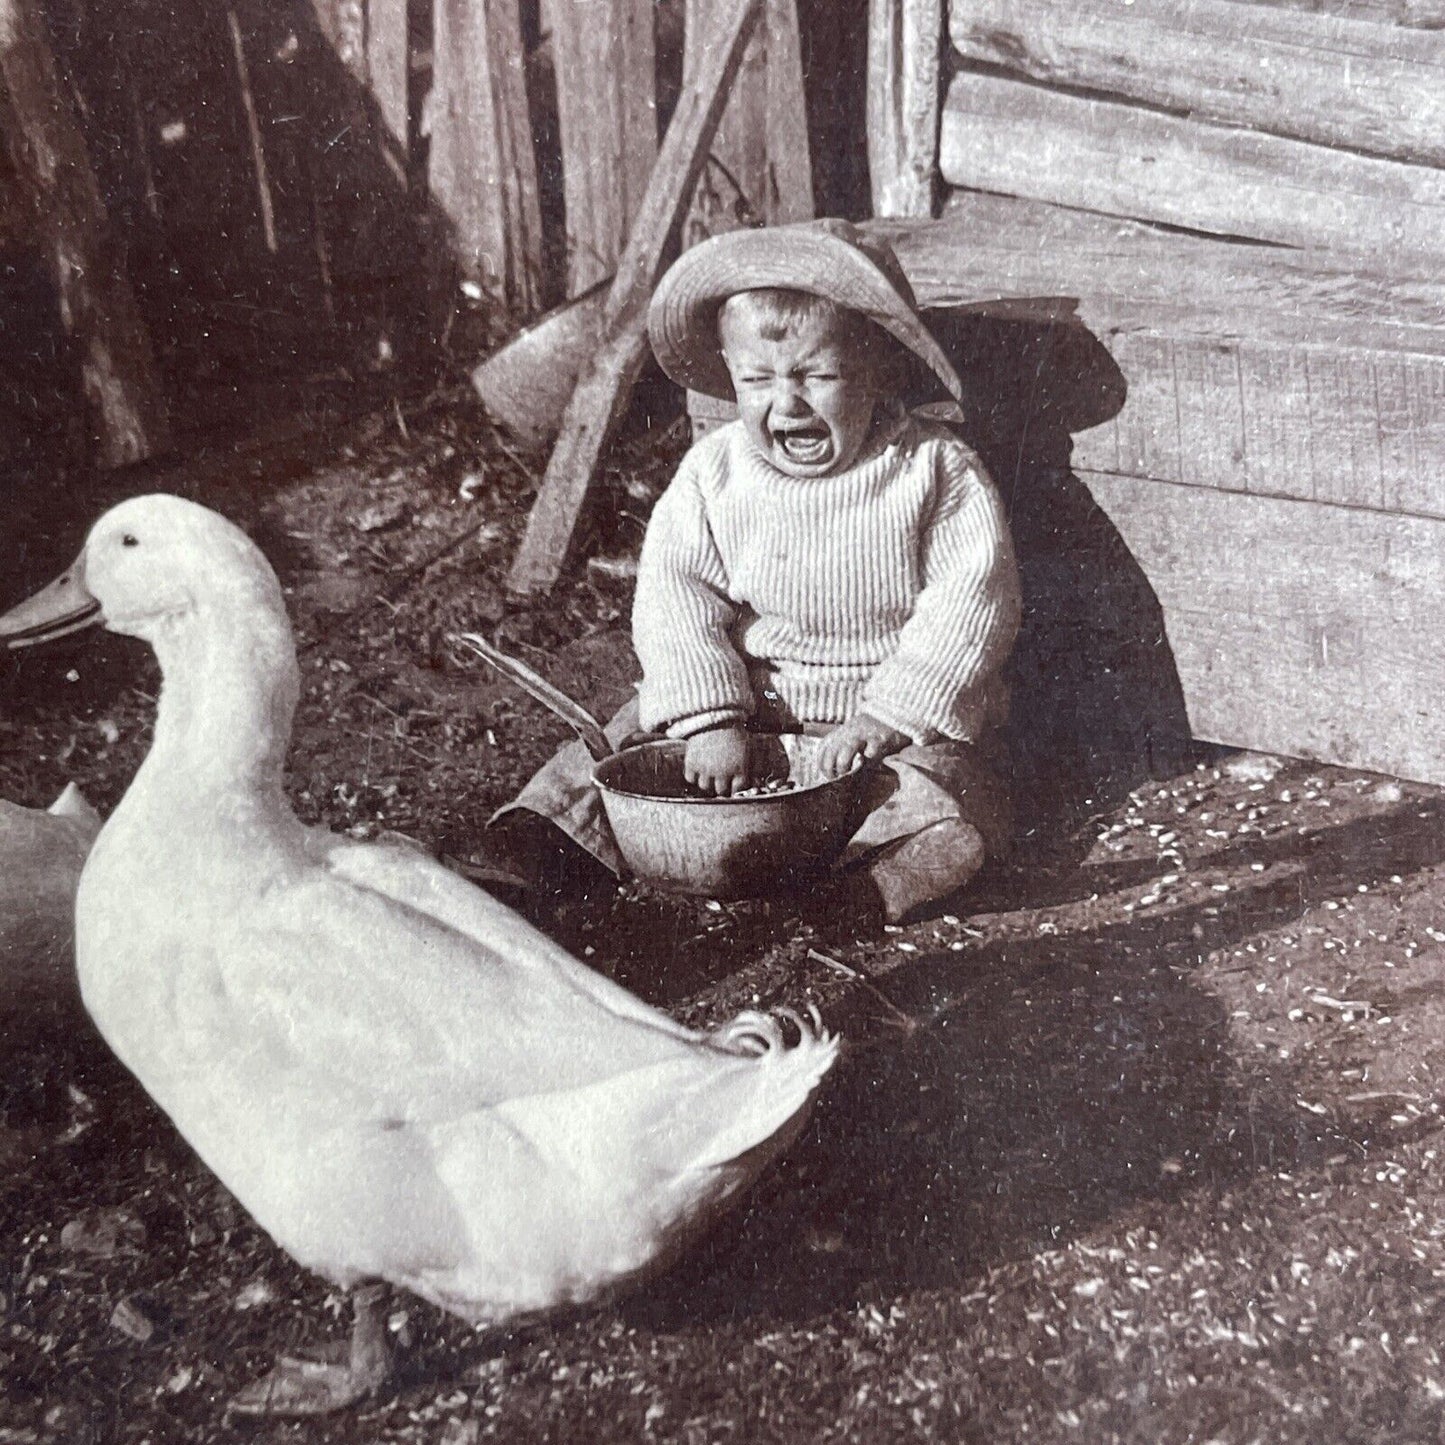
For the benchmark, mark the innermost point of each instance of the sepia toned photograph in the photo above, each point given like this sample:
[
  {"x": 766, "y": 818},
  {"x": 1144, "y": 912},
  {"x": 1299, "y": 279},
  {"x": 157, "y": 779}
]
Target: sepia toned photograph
[{"x": 718, "y": 722}]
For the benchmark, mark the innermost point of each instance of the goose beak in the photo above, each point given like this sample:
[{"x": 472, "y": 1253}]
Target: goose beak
[{"x": 65, "y": 606}]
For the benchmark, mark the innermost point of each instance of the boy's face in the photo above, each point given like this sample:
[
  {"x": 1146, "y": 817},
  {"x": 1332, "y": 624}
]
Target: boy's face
[{"x": 806, "y": 399}]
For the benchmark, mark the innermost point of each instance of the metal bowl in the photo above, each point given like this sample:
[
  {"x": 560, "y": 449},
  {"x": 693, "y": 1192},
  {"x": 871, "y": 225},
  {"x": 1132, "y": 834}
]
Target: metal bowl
[{"x": 677, "y": 838}]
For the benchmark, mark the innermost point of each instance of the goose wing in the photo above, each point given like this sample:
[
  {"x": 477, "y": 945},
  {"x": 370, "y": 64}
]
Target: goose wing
[
  {"x": 415, "y": 880},
  {"x": 388, "y": 1005}
]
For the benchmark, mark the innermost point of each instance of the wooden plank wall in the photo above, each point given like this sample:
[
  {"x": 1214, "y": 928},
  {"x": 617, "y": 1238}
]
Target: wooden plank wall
[
  {"x": 904, "y": 77},
  {"x": 603, "y": 56},
  {"x": 1075, "y": 150},
  {"x": 1418, "y": 14},
  {"x": 1296, "y": 628},
  {"x": 1118, "y": 274},
  {"x": 1215, "y": 115},
  {"x": 341, "y": 135},
  {"x": 1243, "y": 203},
  {"x": 1314, "y": 77},
  {"x": 607, "y": 376},
  {"x": 1305, "y": 379},
  {"x": 759, "y": 169},
  {"x": 370, "y": 39},
  {"x": 482, "y": 168},
  {"x": 58, "y": 206}
]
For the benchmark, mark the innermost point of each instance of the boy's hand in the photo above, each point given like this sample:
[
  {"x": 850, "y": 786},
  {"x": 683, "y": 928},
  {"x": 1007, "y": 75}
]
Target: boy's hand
[
  {"x": 860, "y": 737},
  {"x": 717, "y": 761}
]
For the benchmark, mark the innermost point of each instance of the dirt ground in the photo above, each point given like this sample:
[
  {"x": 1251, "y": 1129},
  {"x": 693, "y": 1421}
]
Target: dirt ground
[{"x": 1138, "y": 1143}]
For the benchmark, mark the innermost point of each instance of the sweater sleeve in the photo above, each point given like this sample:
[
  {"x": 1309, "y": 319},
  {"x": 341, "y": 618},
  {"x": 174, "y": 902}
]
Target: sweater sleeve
[
  {"x": 966, "y": 615},
  {"x": 693, "y": 678}
]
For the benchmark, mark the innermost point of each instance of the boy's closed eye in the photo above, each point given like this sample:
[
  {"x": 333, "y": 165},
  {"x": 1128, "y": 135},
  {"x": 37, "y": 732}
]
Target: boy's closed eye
[{"x": 804, "y": 390}]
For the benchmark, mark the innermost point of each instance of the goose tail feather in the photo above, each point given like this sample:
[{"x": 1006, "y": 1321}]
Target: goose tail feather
[{"x": 781, "y": 1080}]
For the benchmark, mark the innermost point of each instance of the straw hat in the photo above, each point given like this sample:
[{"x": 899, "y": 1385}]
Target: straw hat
[{"x": 828, "y": 258}]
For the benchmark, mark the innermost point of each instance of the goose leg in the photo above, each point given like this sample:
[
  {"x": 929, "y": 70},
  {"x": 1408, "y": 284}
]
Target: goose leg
[{"x": 312, "y": 1387}]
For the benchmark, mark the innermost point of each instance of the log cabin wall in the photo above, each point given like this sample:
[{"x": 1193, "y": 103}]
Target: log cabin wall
[{"x": 1243, "y": 202}]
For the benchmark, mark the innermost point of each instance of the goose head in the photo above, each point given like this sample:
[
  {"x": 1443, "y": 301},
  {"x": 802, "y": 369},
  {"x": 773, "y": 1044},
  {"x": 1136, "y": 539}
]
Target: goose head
[
  {"x": 151, "y": 566},
  {"x": 198, "y": 590}
]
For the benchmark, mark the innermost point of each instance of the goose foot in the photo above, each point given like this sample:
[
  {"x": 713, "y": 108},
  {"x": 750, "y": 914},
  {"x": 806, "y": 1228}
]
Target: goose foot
[{"x": 296, "y": 1387}]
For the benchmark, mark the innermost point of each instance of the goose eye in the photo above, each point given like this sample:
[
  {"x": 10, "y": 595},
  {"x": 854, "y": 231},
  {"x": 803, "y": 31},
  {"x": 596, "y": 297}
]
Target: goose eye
[{"x": 130, "y": 540}]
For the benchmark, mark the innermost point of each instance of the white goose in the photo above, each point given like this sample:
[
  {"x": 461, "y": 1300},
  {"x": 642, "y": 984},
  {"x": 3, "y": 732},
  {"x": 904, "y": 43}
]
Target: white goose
[{"x": 398, "y": 1077}]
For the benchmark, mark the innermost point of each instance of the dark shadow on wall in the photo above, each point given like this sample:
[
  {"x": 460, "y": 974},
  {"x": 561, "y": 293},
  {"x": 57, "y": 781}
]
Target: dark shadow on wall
[
  {"x": 834, "y": 42},
  {"x": 351, "y": 282},
  {"x": 40, "y": 401},
  {"x": 362, "y": 278},
  {"x": 1097, "y": 704}
]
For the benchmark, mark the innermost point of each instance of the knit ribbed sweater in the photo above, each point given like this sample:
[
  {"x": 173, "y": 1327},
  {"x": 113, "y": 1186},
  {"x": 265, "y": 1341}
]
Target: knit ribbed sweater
[{"x": 888, "y": 588}]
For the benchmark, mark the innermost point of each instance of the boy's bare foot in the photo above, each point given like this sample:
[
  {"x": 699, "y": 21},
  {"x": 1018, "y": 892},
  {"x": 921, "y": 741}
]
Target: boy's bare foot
[{"x": 926, "y": 868}]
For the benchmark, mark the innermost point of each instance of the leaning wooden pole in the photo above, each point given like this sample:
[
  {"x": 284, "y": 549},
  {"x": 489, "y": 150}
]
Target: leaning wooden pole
[
  {"x": 253, "y": 132},
  {"x": 42, "y": 136},
  {"x": 604, "y": 386},
  {"x": 760, "y": 169}
]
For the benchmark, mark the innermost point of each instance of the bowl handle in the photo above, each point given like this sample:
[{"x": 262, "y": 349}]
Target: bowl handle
[{"x": 552, "y": 698}]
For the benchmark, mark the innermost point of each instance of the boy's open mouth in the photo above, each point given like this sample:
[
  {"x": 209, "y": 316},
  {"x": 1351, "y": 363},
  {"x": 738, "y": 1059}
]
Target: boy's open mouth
[{"x": 805, "y": 445}]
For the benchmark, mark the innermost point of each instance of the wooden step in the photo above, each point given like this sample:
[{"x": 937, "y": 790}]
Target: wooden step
[
  {"x": 1243, "y": 368},
  {"x": 1274, "y": 463},
  {"x": 1122, "y": 275}
]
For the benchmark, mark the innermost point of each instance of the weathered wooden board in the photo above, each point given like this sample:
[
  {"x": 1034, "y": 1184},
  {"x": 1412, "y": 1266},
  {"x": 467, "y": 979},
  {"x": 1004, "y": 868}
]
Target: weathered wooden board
[
  {"x": 1022, "y": 139},
  {"x": 1351, "y": 427},
  {"x": 483, "y": 172},
  {"x": 1296, "y": 627},
  {"x": 388, "y": 70},
  {"x": 603, "y": 58},
  {"x": 370, "y": 38},
  {"x": 1418, "y": 14},
  {"x": 1346, "y": 83},
  {"x": 606, "y": 382},
  {"x": 526, "y": 384},
  {"x": 904, "y": 89},
  {"x": 1247, "y": 368},
  {"x": 759, "y": 169},
  {"x": 47, "y": 153},
  {"x": 343, "y": 23},
  {"x": 1130, "y": 276}
]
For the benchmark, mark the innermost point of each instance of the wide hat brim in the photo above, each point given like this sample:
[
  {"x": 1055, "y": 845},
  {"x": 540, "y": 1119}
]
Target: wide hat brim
[{"x": 831, "y": 259}]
